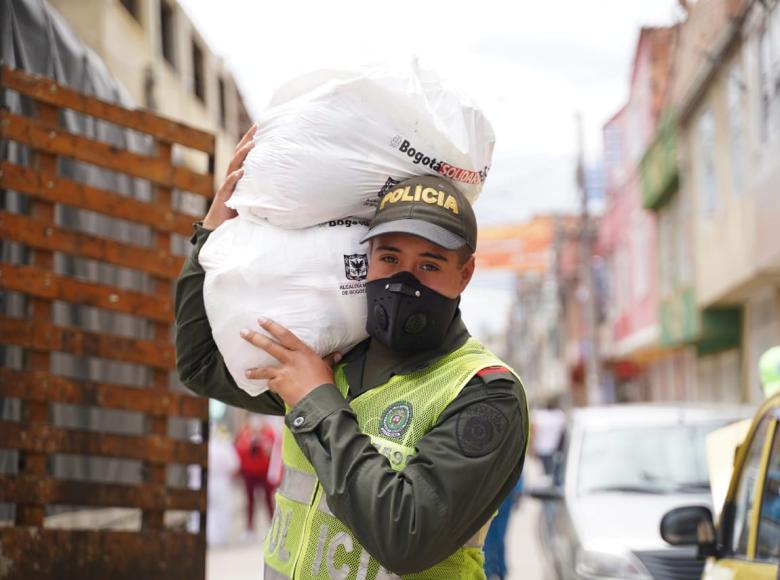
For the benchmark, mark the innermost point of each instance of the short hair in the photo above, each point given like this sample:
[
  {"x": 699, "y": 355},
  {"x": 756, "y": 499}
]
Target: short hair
[{"x": 464, "y": 253}]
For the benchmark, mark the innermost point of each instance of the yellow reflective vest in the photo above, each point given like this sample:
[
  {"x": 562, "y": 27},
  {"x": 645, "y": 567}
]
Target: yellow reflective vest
[{"x": 306, "y": 541}]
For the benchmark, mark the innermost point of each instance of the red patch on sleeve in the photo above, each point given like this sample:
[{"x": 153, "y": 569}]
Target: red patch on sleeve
[{"x": 492, "y": 371}]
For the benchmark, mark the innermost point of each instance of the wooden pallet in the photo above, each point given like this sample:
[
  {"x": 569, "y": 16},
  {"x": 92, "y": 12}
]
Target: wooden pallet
[{"x": 30, "y": 549}]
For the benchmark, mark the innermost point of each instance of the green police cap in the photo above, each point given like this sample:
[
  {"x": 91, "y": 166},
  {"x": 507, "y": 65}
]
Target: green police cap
[
  {"x": 769, "y": 370},
  {"x": 428, "y": 207}
]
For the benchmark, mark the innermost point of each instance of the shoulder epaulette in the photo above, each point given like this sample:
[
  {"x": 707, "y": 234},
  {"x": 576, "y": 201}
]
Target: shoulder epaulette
[{"x": 496, "y": 373}]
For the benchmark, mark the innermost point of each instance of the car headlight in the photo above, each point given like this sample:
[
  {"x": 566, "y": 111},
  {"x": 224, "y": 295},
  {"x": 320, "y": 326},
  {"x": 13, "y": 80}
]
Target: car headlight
[{"x": 602, "y": 563}]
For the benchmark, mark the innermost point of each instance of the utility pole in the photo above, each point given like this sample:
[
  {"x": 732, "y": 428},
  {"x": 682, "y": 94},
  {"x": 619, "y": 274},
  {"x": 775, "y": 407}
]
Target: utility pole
[{"x": 587, "y": 292}]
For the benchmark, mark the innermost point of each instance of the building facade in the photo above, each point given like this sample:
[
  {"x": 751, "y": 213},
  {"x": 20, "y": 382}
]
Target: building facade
[
  {"x": 762, "y": 183},
  {"x": 635, "y": 364},
  {"x": 711, "y": 175},
  {"x": 535, "y": 338},
  {"x": 152, "y": 48}
]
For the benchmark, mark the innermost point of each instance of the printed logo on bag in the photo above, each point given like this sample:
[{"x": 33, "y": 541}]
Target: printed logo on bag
[
  {"x": 356, "y": 266},
  {"x": 389, "y": 184},
  {"x": 441, "y": 167},
  {"x": 347, "y": 222},
  {"x": 429, "y": 195},
  {"x": 396, "y": 419}
]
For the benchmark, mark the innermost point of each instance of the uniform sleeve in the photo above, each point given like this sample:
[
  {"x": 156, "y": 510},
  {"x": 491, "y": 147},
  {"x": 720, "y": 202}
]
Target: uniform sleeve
[
  {"x": 464, "y": 467},
  {"x": 200, "y": 365}
]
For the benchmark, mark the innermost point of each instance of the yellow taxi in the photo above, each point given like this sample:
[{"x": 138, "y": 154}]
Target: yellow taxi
[{"x": 745, "y": 544}]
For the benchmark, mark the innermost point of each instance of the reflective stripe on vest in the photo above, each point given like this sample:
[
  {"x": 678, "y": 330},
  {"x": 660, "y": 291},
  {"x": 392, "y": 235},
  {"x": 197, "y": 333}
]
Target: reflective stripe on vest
[
  {"x": 297, "y": 485},
  {"x": 306, "y": 540}
]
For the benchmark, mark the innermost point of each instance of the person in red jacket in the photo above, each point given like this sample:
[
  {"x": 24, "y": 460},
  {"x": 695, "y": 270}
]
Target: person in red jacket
[{"x": 254, "y": 444}]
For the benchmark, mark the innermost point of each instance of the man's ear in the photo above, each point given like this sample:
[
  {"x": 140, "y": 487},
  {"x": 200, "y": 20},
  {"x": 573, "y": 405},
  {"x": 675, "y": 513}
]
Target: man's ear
[{"x": 466, "y": 272}]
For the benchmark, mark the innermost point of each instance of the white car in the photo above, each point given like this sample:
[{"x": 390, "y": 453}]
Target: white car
[{"x": 621, "y": 469}]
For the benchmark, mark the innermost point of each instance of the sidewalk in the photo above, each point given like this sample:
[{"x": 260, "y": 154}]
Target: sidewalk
[
  {"x": 522, "y": 544},
  {"x": 241, "y": 558}
]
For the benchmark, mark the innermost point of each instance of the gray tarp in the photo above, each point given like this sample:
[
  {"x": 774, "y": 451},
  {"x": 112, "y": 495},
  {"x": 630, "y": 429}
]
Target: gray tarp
[{"x": 35, "y": 38}]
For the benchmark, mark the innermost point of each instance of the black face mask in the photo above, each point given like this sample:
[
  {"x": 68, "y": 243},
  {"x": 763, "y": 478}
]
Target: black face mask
[{"x": 405, "y": 315}]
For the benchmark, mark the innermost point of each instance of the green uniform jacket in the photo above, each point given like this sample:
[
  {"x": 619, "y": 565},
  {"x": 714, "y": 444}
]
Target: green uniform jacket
[{"x": 450, "y": 487}]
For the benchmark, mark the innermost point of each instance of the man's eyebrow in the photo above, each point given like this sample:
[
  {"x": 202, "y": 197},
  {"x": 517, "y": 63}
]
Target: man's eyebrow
[
  {"x": 388, "y": 248},
  {"x": 434, "y": 256}
]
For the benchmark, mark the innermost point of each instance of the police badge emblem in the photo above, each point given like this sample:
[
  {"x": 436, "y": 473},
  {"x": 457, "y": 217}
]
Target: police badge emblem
[
  {"x": 396, "y": 419},
  {"x": 356, "y": 266}
]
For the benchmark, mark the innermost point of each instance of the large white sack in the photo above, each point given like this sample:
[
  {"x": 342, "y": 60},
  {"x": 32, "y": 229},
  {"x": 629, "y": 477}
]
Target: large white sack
[
  {"x": 332, "y": 143},
  {"x": 310, "y": 280}
]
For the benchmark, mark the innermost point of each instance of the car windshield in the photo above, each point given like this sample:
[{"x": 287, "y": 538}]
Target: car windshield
[{"x": 665, "y": 459}]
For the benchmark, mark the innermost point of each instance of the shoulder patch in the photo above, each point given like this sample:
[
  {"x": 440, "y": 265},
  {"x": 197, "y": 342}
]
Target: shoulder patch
[{"x": 480, "y": 429}]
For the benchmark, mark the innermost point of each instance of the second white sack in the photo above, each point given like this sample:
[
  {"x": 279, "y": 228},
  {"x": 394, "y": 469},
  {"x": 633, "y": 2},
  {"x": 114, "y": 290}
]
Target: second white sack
[{"x": 310, "y": 280}]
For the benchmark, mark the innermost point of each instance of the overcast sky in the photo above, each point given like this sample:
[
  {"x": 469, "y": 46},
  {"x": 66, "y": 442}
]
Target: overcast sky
[{"x": 530, "y": 66}]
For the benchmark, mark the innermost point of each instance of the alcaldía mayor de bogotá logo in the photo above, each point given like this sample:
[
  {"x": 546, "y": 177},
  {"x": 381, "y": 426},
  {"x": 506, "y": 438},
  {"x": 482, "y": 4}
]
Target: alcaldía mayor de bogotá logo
[{"x": 356, "y": 266}]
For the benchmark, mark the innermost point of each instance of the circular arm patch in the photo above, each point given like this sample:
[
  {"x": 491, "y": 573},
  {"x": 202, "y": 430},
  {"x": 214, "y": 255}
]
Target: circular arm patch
[{"x": 481, "y": 429}]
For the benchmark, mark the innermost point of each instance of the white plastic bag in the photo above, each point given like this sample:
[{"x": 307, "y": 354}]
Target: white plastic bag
[
  {"x": 310, "y": 280},
  {"x": 332, "y": 143}
]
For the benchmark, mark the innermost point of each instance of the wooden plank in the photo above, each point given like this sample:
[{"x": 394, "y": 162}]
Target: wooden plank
[
  {"x": 29, "y": 552},
  {"x": 53, "y": 554},
  {"x": 43, "y": 386},
  {"x": 47, "y": 337},
  {"x": 59, "y": 190},
  {"x": 42, "y": 236},
  {"x": 59, "y": 142},
  {"x": 156, "y": 449},
  {"x": 158, "y": 425},
  {"x": 33, "y": 464},
  {"x": 45, "y": 90},
  {"x": 43, "y": 284},
  {"x": 93, "y": 494}
]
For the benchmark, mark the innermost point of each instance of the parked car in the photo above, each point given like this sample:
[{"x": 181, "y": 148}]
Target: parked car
[
  {"x": 621, "y": 469},
  {"x": 745, "y": 545}
]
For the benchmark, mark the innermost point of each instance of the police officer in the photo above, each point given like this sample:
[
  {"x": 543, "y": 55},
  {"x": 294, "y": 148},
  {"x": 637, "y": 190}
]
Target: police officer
[{"x": 396, "y": 458}]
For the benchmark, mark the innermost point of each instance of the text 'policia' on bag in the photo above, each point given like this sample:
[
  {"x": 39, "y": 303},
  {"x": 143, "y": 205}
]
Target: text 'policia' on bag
[{"x": 328, "y": 150}]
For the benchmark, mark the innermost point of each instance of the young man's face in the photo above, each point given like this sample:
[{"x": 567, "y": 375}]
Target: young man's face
[{"x": 434, "y": 267}]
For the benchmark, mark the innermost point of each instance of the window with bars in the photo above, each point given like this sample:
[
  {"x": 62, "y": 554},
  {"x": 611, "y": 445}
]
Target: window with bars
[
  {"x": 198, "y": 74},
  {"x": 167, "y": 33},
  {"x": 734, "y": 91},
  {"x": 708, "y": 177},
  {"x": 222, "y": 90}
]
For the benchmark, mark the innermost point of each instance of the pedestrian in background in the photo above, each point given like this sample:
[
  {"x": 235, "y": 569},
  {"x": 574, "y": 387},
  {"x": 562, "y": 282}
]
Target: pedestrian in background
[
  {"x": 495, "y": 542},
  {"x": 548, "y": 426},
  {"x": 254, "y": 444}
]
